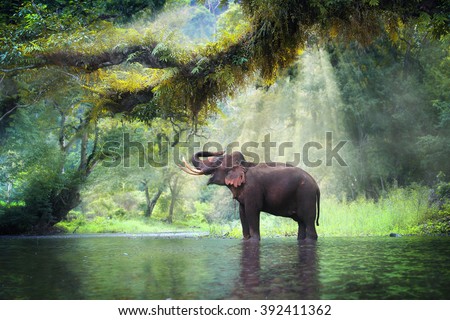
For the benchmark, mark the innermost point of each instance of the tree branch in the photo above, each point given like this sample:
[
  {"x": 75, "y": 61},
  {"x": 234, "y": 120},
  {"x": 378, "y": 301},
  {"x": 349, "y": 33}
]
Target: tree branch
[
  {"x": 213, "y": 74},
  {"x": 136, "y": 53},
  {"x": 93, "y": 156},
  {"x": 16, "y": 69},
  {"x": 9, "y": 112}
]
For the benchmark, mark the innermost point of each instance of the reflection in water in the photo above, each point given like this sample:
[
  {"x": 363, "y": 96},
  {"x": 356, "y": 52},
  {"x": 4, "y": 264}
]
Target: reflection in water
[
  {"x": 149, "y": 268},
  {"x": 29, "y": 271},
  {"x": 250, "y": 271},
  {"x": 293, "y": 274},
  {"x": 309, "y": 271}
]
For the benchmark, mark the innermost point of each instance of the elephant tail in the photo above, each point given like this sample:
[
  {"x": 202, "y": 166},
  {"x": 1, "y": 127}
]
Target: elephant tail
[{"x": 318, "y": 205}]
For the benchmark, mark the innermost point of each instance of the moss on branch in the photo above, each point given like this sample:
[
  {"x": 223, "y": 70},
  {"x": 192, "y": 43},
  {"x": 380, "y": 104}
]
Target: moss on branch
[{"x": 172, "y": 79}]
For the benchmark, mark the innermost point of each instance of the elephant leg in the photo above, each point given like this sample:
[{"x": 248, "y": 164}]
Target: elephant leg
[
  {"x": 252, "y": 216},
  {"x": 301, "y": 230},
  {"x": 311, "y": 231},
  {"x": 244, "y": 222},
  {"x": 307, "y": 212},
  {"x": 310, "y": 222}
]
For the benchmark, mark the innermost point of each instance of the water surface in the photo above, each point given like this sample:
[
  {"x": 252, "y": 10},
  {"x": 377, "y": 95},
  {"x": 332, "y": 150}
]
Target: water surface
[{"x": 136, "y": 267}]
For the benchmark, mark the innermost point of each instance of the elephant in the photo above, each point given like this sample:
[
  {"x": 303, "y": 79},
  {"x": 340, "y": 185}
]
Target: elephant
[{"x": 276, "y": 188}]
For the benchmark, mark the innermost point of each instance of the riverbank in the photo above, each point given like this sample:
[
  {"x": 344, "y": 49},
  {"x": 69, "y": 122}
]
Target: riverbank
[
  {"x": 134, "y": 225},
  {"x": 166, "y": 235},
  {"x": 403, "y": 211}
]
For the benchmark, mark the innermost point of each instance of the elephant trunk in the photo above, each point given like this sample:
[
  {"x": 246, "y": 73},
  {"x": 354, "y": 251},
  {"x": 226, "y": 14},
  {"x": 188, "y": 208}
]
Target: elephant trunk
[
  {"x": 203, "y": 154},
  {"x": 196, "y": 160}
]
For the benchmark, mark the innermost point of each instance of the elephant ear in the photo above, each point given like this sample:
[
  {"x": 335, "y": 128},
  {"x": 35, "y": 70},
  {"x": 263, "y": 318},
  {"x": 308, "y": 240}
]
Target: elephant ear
[{"x": 236, "y": 176}]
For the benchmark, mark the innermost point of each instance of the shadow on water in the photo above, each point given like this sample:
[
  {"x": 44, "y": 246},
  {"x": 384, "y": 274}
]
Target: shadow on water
[{"x": 140, "y": 267}]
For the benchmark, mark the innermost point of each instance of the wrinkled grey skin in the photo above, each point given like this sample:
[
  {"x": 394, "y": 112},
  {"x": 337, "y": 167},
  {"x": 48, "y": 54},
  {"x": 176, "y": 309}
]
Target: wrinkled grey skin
[{"x": 275, "y": 188}]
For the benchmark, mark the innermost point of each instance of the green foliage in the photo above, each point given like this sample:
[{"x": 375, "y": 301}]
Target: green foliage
[
  {"x": 232, "y": 21},
  {"x": 102, "y": 224},
  {"x": 33, "y": 27},
  {"x": 15, "y": 220},
  {"x": 46, "y": 153},
  {"x": 443, "y": 191},
  {"x": 438, "y": 221},
  {"x": 267, "y": 38},
  {"x": 400, "y": 211},
  {"x": 202, "y": 210},
  {"x": 174, "y": 4}
]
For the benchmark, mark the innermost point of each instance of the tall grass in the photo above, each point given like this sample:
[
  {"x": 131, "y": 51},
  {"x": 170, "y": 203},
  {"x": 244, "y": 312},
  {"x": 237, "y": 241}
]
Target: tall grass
[
  {"x": 400, "y": 211},
  {"x": 103, "y": 224}
]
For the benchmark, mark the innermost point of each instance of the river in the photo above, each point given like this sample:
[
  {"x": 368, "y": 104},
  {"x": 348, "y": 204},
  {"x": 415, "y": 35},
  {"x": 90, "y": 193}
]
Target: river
[{"x": 150, "y": 267}]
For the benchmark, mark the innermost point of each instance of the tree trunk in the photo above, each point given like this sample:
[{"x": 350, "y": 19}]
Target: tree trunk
[
  {"x": 66, "y": 200},
  {"x": 174, "y": 191},
  {"x": 151, "y": 203},
  {"x": 68, "y": 197},
  {"x": 83, "y": 152}
]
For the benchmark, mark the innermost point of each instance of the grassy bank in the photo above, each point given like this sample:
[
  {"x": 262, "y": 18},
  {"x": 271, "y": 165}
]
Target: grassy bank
[
  {"x": 122, "y": 225},
  {"x": 402, "y": 211}
]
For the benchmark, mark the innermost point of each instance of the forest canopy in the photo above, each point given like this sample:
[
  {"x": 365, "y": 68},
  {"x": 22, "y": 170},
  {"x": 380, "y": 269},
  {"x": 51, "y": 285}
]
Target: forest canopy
[
  {"x": 77, "y": 74},
  {"x": 145, "y": 70}
]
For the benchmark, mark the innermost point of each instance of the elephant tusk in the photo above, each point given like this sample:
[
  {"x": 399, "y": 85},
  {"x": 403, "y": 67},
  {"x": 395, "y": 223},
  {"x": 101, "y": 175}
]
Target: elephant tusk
[
  {"x": 188, "y": 169},
  {"x": 194, "y": 170}
]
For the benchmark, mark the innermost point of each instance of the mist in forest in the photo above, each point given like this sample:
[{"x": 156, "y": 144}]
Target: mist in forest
[
  {"x": 358, "y": 125},
  {"x": 295, "y": 120}
]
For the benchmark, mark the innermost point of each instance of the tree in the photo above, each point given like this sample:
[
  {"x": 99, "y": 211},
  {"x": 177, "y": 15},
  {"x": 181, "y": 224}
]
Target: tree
[
  {"x": 150, "y": 76},
  {"x": 151, "y": 202},
  {"x": 58, "y": 147},
  {"x": 47, "y": 131}
]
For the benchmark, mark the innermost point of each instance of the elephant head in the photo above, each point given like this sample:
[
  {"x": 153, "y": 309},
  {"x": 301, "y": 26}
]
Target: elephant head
[{"x": 225, "y": 169}]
